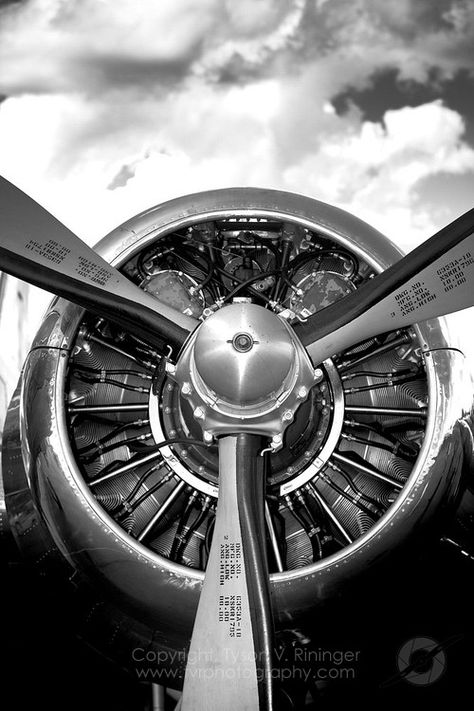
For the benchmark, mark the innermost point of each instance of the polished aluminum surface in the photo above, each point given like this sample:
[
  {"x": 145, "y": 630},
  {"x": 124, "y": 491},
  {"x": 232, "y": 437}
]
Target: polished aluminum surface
[
  {"x": 183, "y": 472},
  {"x": 54, "y": 515},
  {"x": 244, "y": 354},
  {"x": 216, "y": 378},
  {"x": 332, "y": 437}
]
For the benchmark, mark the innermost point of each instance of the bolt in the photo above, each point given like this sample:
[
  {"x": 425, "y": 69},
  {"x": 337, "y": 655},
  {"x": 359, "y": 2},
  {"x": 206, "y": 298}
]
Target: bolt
[
  {"x": 199, "y": 413},
  {"x": 170, "y": 368},
  {"x": 302, "y": 392},
  {"x": 276, "y": 443},
  {"x": 186, "y": 389},
  {"x": 207, "y": 436},
  {"x": 287, "y": 416},
  {"x": 318, "y": 374},
  {"x": 172, "y": 433},
  {"x": 170, "y": 387}
]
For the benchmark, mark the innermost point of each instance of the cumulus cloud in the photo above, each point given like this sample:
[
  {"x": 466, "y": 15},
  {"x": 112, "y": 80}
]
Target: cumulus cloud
[
  {"x": 116, "y": 105},
  {"x": 412, "y": 35},
  {"x": 374, "y": 170},
  {"x": 92, "y": 47},
  {"x": 75, "y": 45}
]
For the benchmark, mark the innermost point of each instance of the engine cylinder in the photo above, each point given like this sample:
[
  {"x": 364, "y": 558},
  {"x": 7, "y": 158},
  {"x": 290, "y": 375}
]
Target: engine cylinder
[{"x": 374, "y": 454}]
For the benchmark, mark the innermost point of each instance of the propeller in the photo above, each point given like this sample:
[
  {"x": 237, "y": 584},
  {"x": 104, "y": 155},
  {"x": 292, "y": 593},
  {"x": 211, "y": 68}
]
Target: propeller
[
  {"x": 230, "y": 657},
  {"x": 38, "y": 248},
  {"x": 229, "y": 660},
  {"x": 435, "y": 279}
]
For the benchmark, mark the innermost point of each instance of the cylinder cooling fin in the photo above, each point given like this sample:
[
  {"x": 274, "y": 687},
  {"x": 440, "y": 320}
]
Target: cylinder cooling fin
[
  {"x": 346, "y": 456},
  {"x": 122, "y": 478}
]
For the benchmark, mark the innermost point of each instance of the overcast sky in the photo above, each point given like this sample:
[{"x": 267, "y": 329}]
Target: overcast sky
[{"x": 111, "y": 106}]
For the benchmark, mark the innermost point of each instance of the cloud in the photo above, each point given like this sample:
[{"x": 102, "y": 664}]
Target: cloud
[
  {"x": 52, "y": 46},
  {"x": 115, "y": 105},
  {"x": 374, "y": 170},
  {"x": 92, "y": 47},
  {"x": 412, "y": 35}
]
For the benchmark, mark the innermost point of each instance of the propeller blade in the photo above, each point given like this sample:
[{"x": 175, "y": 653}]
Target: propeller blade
[
  {"x": 37, "y": 248},
  {"x": 435, "y": 279},
  {"x": 229, "y": 661}
]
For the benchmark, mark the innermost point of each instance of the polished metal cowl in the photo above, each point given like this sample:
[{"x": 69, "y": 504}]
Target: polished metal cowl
[{"x": 137, "y": 597}]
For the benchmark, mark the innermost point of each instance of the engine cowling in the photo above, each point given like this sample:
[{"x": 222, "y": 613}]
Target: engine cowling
[{"x": 374, "y": 454}]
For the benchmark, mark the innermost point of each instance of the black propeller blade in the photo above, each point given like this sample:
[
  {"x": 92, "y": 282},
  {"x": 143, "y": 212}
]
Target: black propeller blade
[{"x": 36, "y": 247}]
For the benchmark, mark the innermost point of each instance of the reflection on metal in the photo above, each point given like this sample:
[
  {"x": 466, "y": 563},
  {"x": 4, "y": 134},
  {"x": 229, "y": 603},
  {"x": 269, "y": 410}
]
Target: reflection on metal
[
  {"x": 273, "y": 539},
  {"x": 368, "y": 470},
  {"x": 59, "y": 510},
  {"x": 336, "y": 393},
  {"x": 258, "y": 390},
  {"x": 158, "y": 697},
  {"x": 18, "y": 319},
  {"x": 15, "y": 335},
  {"x": 162, "y": 510},
  {"x": 170, "y": 457},
  {"x": 106, "y": 409}
]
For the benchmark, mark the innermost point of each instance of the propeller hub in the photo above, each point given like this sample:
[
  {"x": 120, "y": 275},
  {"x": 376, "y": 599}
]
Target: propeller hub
[
  {"x": 244, "y": 370},
  {"x": 244, "y": 354}
]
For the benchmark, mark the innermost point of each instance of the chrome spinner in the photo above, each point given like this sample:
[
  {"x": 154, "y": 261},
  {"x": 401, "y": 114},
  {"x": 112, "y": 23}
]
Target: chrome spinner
[{"x": 244, "y": 370}]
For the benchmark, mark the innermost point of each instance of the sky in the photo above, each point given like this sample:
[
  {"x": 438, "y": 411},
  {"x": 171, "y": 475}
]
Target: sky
[{"x": 112, "y": 106}]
